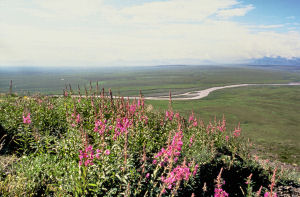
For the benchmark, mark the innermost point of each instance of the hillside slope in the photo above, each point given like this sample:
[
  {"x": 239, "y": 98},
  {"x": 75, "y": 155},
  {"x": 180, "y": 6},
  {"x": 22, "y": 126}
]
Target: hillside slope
[{"x": 101, "y": 146}]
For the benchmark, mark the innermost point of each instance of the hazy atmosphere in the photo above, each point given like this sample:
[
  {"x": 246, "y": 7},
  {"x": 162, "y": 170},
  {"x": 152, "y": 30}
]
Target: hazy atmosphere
[
  {"x": 146, "y": 32},
  {"x": 153, "y": 98}
]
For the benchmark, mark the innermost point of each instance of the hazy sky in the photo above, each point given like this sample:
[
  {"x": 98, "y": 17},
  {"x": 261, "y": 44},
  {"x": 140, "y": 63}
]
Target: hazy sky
[{"x": 146, "y": 32}]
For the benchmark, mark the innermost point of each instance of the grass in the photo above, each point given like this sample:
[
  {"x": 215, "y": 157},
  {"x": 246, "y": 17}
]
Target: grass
[
  {"x": 151, "y": 80},
  {"x": 269, "y": 116}
]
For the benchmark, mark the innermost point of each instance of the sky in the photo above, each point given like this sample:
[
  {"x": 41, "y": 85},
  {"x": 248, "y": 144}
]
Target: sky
[{"x": 65, "y": 33}]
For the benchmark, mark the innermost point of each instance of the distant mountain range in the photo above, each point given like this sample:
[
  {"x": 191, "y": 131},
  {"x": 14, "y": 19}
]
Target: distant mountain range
[
  {"x": 276, "y": 61},
  {"x": 262, "y": 62}
]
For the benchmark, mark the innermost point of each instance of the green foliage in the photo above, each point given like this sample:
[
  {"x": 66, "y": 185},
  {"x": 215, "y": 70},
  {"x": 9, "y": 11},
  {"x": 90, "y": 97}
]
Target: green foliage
[{"x": 96, "y": 146}]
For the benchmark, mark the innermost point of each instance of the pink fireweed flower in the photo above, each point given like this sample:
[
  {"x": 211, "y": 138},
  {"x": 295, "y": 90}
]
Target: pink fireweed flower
[
  {"x": 98, "y": 153},
  {"x": 237, "y": 131},
  {"x": 86, "y": 157},
  {"x": 147, "y": 175},
  {"x": 177, "y": 115},
  {"x": 27, "y": 120},
  {"x": 144, "y": 119},
  {"x": 191, "y": 118},
  {"x": 173, "y": 150},
  {"x": 195, "y": 169},
  {"x": 169, "y": 115},
  {"x": 100, "y": 127},
  {"x": 142, "y": 102},
  {"x": 222, "y": 126},
  {"x": 220, "y": 193},
  {"x": 78, "y": 118},
  {"x": 117, "y": 133},
  {"x": 177, "y": 143},
  {"x": 259, "y": 191},
  {"x": 177, "y": 174},
  {"x": 154, "y": 161},
  {"x": 122, "y": 126},
  {"x": 226, "y": 138},
  {"x": 107, "y": 152},
  {"x": 249, "y": 179},
  {"x": 132, "y": 108},
  {"x": 268, "y": 194},
  {"x": 195, "y": 123},
  {"x": 175, "y": 159},
  {"x": 224, "y": 123}
]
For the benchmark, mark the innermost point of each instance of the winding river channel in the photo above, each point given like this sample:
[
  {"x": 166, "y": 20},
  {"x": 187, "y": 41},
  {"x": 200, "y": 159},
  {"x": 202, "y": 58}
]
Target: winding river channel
[
  {"x": 194, "y": 95},
  {"x": 204, "y": 93}
]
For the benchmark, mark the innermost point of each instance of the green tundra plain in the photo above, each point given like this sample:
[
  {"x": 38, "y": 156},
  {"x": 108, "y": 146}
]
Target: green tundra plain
[
  {"x": 127, "y": 81},
  {"x": 269, "y": 116}
]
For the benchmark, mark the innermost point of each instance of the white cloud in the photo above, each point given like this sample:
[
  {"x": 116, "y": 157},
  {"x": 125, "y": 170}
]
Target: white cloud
[
  {"x": 150, "y": 12},
  {"x": 235, "y": 11},
  {"x": 176, "y": 10},
  {"x": 69, "y": 8},
  {"x": 174, "y": 31}
]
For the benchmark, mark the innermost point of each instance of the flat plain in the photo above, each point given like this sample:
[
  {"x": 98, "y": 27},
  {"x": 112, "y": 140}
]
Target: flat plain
[
  {"x": 153, "y": 81},
  {"x": 269, "y": 116}
]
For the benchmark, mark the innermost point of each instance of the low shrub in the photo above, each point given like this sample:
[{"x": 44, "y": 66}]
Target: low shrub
[{"x": 105, "y": 146}]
